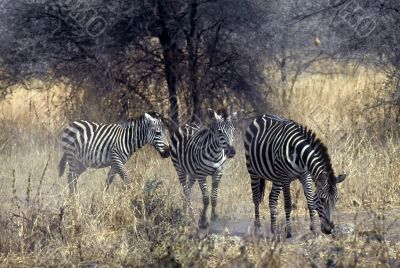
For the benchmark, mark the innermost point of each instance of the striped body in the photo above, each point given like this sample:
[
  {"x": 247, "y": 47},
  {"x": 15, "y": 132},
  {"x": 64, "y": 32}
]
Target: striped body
[
  {"x": 82, "y": 137},
  {"x": 200, "y": 153},
  {"x": 91, "y": 145},
  {"x": 281, "y": 151}
]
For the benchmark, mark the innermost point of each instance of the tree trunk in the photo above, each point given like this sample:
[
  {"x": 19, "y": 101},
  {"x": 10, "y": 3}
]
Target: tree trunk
[
  {"x": 193, "y": 67},
  {"x": 170, "y": 55},
  {"x": 170, "y": 74}
]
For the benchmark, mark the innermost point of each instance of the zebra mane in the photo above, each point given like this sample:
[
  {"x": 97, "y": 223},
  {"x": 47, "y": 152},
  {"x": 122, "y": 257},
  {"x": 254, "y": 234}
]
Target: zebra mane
[
  {"x": 190, "y": 129},
  {"x": 278, "y": 118},
  {"x": 140, "y": 118},
  {"x": 154, "y": 114},
  {"x": 319, "y": 148},
  {"x": 132, "y": 121}
]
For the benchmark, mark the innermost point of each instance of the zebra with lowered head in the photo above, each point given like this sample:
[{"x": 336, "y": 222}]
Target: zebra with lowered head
[
  {"x": 198, "y": 153},
  {"x": 91, "y": 145},
  {"x": 281, "y": 151}
]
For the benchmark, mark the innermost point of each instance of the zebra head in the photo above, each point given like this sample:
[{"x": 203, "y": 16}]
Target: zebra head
[
  {"x": 221, "y": 124},
  {"x": 157, "y": 134},
  {"x": 325, "y": 200}
]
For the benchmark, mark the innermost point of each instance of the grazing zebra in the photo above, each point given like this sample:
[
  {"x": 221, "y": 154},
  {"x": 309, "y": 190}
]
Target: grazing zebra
[
  {"x": 198, "y": 153},
  {"x": 281, "y": 151},
  {"x": 91, "y": 145}
]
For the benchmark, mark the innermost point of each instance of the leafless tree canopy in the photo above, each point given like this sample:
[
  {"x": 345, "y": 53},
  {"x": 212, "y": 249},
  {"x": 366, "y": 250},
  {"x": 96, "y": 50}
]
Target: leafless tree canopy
[{"x": 190, "y": 53}]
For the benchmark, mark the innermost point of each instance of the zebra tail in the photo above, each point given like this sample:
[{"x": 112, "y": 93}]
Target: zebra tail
[
  {"x": 61, "y": 165},
  {"x": 262, "y": 189}
]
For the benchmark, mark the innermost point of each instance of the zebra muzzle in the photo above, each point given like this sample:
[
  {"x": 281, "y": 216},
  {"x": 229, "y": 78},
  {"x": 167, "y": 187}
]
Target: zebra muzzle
[
  {"x": 166, "y": 153},
  {"x": 327, "y": 227},
  {"x": 230, "y": 151}
]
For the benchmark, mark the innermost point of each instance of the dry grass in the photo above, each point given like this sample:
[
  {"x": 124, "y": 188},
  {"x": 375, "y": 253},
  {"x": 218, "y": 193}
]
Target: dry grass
[{"x": 144, "y": 225}]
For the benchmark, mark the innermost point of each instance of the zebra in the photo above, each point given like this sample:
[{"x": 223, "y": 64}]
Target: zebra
[
  {"x": 88, "y": 144},
  {"x": 281, "y": 151},
  {"x": 198, "y": 153}
]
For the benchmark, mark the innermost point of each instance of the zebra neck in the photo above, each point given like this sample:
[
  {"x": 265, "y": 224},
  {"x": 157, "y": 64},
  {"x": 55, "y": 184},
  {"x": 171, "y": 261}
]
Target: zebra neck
[
  {"x": 213, "y": 147},
  {"x": 137, "y": 135},
  {"x": 316, "y": 163}
]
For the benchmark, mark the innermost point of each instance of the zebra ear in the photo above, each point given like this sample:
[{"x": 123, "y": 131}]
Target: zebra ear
[
  {"x": 218, "y": 116},
  {"x": 211, "y": 113},
  {"x": 149, "y": 117},
  {"x": 238, "y": 115},
  {"x": 234, "y": 115},
  {"x": 341, "y": 178}
]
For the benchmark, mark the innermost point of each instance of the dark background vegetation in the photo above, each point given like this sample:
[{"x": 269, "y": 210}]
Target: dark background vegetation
[
  {"x": 187, "y": 55},
  {"x": 332, "y": 65}
]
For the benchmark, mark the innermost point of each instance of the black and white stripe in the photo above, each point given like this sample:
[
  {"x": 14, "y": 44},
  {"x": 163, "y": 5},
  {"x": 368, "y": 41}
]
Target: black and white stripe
[
  {"x": 91, "y": 145},
  {"x": 200, "y": 153},
  {"x": 281, "y": 151}
]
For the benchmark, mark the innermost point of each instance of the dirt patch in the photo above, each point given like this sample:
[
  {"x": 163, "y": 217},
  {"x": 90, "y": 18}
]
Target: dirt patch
[{"x": 373, "y": 225}]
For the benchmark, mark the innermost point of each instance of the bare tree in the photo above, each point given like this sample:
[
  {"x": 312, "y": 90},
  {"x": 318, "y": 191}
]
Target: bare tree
[{"x": 146, "y": 50}]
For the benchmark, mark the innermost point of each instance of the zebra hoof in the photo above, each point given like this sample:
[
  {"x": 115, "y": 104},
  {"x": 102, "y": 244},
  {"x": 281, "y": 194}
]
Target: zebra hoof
[
  {"x": 288, "y": 232},
  {"x": 276, "y": 237},
  {"x": 214, "y": 217},
  {"x": 203, "y": 224},
  {"x": 257, "y": 229},
  {"x": 314, "y": 233}
]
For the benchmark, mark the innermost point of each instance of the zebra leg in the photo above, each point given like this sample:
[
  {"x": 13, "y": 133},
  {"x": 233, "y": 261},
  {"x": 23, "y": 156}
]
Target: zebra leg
[
  {"x": 255, "y": 188},
  {"x": 216, "y": 178},
  {"x": 188, "y": 192},
  {"x": 182, "y": 179},
  {"x": 308, "y": 192},
  {"x": 118, "y": 165},
  {"x": 75, "y": 170},
  {"x": 191, "y": 182},
  {"x": 110, "y": 177},
  {"x": 273, "y": 203},
  {"x": 72, "y": 181},
  {"x": 122, "y": 173},
  {"x": 288, "y": 209},
  {"x": 203, "y": 223}
]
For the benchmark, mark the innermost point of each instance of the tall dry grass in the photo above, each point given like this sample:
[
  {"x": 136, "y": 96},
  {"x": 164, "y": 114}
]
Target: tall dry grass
[{"x": 145, "y": 225}]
